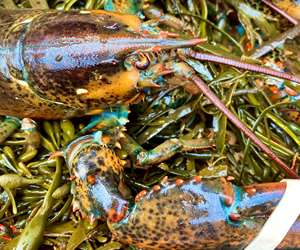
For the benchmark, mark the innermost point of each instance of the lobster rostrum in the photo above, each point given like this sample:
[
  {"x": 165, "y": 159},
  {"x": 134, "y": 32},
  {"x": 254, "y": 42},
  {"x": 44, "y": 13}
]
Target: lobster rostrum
[
  {"x": 58, "y": 65},
  {"x": 191, "y": 214}
]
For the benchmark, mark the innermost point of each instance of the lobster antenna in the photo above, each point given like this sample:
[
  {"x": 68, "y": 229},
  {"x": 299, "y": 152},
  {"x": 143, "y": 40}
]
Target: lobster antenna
[{"x": 239, "y": 64}]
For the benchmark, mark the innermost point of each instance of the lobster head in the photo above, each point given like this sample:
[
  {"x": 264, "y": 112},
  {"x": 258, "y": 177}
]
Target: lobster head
[{"x": 79, "y": 59}]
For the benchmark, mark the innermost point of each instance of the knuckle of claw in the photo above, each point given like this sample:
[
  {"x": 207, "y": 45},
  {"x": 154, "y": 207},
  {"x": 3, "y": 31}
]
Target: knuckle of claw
[{"x": 250, "y": 191}]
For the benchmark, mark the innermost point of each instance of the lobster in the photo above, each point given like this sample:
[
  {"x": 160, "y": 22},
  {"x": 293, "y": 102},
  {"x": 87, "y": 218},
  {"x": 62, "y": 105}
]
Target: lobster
[
  {"x": 72, "y": 64},
  {"x": 191, "y": 214}
]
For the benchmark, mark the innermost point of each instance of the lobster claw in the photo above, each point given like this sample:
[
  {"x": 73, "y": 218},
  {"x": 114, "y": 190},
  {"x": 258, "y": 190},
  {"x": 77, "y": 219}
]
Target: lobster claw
[{"x": 199, "y": 214}]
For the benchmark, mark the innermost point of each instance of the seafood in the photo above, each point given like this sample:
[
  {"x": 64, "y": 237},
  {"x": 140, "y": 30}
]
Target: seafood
[
  {"x": 58, "y": 65},
  {"x": 193, "y": 214}
]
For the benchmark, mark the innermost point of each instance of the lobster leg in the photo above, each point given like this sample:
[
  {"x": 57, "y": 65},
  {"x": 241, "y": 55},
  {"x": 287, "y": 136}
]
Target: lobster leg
[{"x": 145, "y": 158}]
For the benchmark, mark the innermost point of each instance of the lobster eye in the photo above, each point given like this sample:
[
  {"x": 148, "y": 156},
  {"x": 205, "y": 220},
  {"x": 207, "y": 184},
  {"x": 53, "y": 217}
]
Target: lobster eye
[{"x": 142, "y": 62}]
